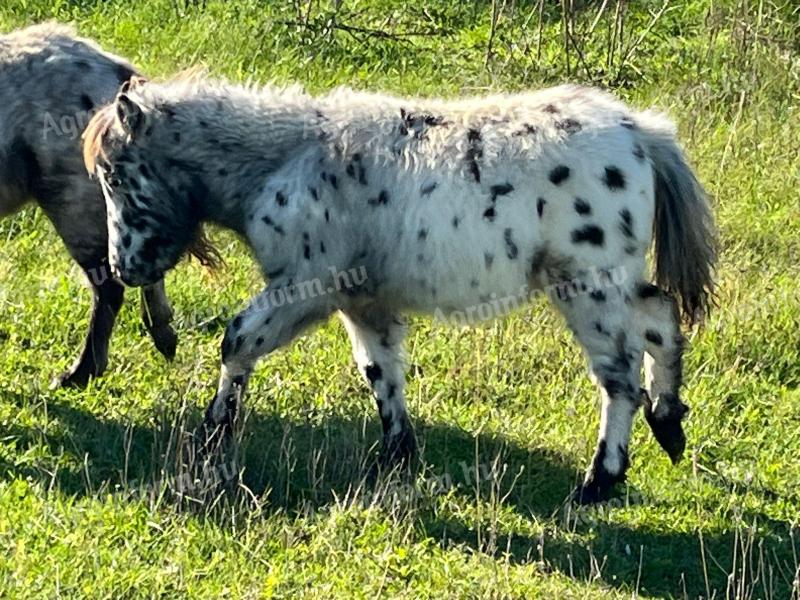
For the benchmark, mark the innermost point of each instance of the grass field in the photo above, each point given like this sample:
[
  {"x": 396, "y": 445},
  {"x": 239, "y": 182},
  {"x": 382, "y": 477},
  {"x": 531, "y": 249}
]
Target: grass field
[{"x": 505, "y": 414}]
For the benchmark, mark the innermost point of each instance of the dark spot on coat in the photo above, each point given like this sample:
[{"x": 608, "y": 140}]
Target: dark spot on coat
[
  {"x": 551, "y": 109},
  {"x": 322, "y": 247},
  {"x": 473, "y": 283},
  {"x": 511, "y": 248},
  {"x": 647, "y": 290},
  {"x": 501, "y": 190},
  {"x": 373, "y": 373},
  {"x": 474, "y": 152},
  {"x": 582, "y": 207},
  {"x": 334, "y": 181},
  {"x": 327, "y": 216},
  {"x": 527, "y": 129},
  {"x": 626, "y": 225},
  {"x": 280, "y": 198},
  {"x": 422, "y": 234},
  {"x": 488, "y": 259},
  {"x": 559, "y": 174},
  {"x": 427, "y": 189},
  {"x": 614, "y": 179},
  {"x": 540, "y": 202},
  {"x": 638, "y": 152},
  {"x": 270, "y": 223},
  {"x": 569, "y": 126},
  {"x": 237, "y": 322},
  {"x": 350, "y": 170},
  {"x": 306, "y": 246},
  {"x": 653, "y": 337},
  {"x": 598, "y": 295},
  {"x": 591, "y": 234},
  {"x": 489, "y": 214},
  {"x": 382, "y": 198},
  {"x": 456, "y": 221},
  {"x": 313, "y": 191}
]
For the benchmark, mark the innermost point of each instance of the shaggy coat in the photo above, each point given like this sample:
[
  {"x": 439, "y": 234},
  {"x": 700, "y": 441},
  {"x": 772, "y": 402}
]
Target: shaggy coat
[
  {"x": 51, "y": 83},
  {"x": 444, "y": 205}
]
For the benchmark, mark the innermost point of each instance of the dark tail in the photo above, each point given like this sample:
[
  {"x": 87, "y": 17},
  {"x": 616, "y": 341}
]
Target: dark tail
[{"x": 684, "y": 231}]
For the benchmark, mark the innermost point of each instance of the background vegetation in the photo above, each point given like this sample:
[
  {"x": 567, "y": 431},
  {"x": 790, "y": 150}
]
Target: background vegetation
[{"x": 89, "y": 503}]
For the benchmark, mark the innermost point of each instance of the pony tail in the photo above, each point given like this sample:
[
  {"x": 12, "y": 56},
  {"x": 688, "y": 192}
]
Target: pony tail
[
  {"x": 205, "y": 252},
  {"x": 686, "y": 243}
]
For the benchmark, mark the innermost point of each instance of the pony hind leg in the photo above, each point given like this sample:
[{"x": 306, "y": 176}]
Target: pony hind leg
[
  {"x": 600, "y": 320},
  {"x": 156, "y": 316},
  {"x": 659, "y": 324},
  {"x": 376, "y": 337}
]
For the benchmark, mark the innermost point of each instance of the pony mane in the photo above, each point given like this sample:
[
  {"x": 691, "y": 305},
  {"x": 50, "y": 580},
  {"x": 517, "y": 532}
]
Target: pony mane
[{"x": 92, "y": 138}]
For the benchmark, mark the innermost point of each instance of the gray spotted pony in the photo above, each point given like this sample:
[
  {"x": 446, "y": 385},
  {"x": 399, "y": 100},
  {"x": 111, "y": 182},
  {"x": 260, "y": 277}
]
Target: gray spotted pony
[
  {"x": 442, "y": 204},
  {"x": 51, "y": 83}
]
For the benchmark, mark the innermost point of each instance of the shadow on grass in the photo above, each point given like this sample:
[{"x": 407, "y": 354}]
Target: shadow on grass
[{"x": 299, "y": 466}]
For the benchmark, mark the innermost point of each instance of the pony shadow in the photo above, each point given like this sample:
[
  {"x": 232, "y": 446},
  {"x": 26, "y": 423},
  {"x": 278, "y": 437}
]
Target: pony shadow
[{"x": 306, "y": 465}]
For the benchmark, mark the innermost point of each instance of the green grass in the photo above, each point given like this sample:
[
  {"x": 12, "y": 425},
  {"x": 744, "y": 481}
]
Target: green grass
[{"x": 87, "y": 506}]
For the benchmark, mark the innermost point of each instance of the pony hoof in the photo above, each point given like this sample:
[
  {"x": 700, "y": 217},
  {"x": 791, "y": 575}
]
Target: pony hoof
[
  {"x": 166, "y": 341},
  {"x": 593, "y": 491},
  {"x": 73, "y": 378},
  {"x": 664, "y": 417},
  {"x": 211, "y": 438},
  {"x": 398, "y": 452}
]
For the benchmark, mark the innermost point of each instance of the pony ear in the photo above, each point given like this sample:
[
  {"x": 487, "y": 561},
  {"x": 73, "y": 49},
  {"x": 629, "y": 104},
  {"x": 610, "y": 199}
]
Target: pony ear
[
  {"x": 132, "y": 82},
  {"x": 130, "y": 114}
]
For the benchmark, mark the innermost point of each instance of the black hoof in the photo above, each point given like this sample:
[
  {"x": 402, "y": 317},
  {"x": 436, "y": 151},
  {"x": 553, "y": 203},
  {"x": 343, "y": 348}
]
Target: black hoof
[
  {"x": 76, "y": 377},
  {"x": 664, "y": 417},
  {"x": 166, "y": 341},
  {"x": 399, "y": 450},
  {"x": 598, "y": 487},
  {"x": 599, "y": 482}
]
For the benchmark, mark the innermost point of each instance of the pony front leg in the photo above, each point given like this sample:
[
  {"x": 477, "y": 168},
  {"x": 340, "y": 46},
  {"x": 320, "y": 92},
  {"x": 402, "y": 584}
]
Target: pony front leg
[
  {"x": 156, "y": 316},
  {"x": 600, "y": 319},
  {"x": 376, "y": 337},
  {"x": 273, "y": 319}
]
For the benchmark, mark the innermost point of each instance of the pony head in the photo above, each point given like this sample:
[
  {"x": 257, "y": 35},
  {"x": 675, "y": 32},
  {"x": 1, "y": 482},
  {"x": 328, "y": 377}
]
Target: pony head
[{"x": 153, "y": 199}]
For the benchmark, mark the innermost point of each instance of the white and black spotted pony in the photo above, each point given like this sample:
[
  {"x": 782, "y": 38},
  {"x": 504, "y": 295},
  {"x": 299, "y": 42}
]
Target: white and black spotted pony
[{"x": 443, "y": 203}]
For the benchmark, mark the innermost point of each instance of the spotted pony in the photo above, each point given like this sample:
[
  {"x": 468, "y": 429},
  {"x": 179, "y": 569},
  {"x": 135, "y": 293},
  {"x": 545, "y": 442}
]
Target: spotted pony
[
  {"x": 444, "y": 204},
  {"x": 51, "y": 82}
]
